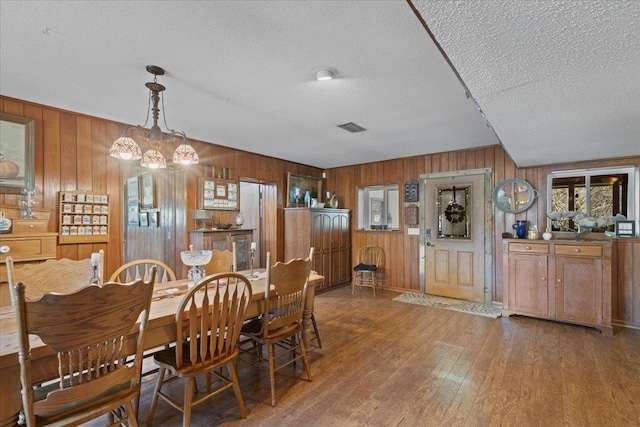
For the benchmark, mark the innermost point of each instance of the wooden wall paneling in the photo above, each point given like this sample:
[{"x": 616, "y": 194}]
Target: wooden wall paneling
[
  {"x": 461, "y": 160},
  {"x": 350, "y": 195},
  {"x": 13, "y": 107},
  {"x": 246, "y": 166},
  {"x": 531, "y": 176},
  {"x": 411, "y": 244},
  {"x": 225, "y": 158},
  {"x": 52, "y": 154},
  {"x": 499, "y": 226},
  {"x": 105, "y": 133},
  {"x": 626, "y": 295},
  {"x": 69, "y": 174},
  {"x": 84, "y": 155},
  {"x": 56, "y": 131},
  {"x": 181, "y": 222},
  {"x": 443, "y": 162},
  {"x": 100, "y": 156},
  {"x": 270, "y": 231}
]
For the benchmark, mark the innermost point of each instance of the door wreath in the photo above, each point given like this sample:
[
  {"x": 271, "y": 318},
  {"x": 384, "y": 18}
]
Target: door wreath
[{"x": 454, "y": 213}]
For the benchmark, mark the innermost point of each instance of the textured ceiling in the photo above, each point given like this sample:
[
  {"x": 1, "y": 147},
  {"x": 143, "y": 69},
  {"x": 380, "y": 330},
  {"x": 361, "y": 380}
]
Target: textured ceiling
[{"x": 557, "y": 80}]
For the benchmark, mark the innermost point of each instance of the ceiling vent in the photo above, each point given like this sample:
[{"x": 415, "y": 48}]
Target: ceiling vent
[{"x": 352, "y": 127}]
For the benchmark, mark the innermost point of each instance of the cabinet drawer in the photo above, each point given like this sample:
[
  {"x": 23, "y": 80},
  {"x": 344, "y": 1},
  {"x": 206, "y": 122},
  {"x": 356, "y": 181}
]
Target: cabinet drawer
[
  {"x": 37, "y": 248},
  {"x": 30, "y": 225},
  {"x": 579, "y": 250},
  {"x": 532, "y": 248}
]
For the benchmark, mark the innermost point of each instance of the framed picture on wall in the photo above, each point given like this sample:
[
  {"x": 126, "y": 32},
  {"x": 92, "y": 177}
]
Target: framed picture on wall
[
  {"x": 144, "y": 219},
  {"x": 301, "y": 187},
  {"x": 133, "y": 191},
  {"x": 17, "y": 139},
  {"x": 153, "y": 219},
  {"x": 148, "y": 190},
  {"x": 133, "y": 217}
]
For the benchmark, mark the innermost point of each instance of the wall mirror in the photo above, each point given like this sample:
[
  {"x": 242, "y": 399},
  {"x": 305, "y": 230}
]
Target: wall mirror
[
  {"x": 514, "y": 195},
  {"x": 16, "y": 153}
]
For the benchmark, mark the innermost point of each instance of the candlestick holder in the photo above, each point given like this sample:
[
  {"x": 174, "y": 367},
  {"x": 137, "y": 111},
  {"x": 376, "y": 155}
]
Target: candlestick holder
[
  {"x": 253, "y": 251},
  {"x": 27, "y": 203},
  {"x": 95, "y": 279}
]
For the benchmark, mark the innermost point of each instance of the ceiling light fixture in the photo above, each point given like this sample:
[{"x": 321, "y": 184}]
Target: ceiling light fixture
[
  {"x": 126, "y": 148},
  {"x": 325, "y": 73}
]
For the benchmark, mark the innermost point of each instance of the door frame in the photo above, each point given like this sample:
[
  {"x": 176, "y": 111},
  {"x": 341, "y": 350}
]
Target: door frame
[{"x": 488, "y": 225}]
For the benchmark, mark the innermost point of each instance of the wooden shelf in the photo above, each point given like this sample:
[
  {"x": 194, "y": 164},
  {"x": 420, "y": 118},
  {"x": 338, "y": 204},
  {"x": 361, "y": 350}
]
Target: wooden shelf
[{"x": 83, "y": 217}]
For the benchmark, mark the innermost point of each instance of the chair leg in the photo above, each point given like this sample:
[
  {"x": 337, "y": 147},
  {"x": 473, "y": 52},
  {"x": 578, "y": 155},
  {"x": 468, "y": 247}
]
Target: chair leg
[
  {"x": 188, "y": 398},
  {"x": 305, "y": 358},
  {"x": 132, "y": 421},
  {"x": 236, "y": 388},
  {"x": 156, "y": 393},
  {"x": 315, "y": 330},
  {"x": 373, "y": 283},
  {"x": 272, "y": 373}
]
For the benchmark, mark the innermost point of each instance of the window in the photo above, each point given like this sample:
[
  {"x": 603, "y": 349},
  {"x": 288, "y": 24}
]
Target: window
[
  {"x": 594, "y": 192},
  {"x": 379, "y": 207}
]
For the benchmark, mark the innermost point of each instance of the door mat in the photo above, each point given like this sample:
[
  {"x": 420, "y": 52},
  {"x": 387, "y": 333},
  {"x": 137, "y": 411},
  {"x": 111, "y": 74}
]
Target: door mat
[{"x": 471, "y": 307}]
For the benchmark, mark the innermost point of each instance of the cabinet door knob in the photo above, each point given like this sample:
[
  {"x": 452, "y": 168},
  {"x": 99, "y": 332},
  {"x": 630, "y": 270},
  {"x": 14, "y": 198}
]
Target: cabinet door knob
[
  {"x": 559, "y": 280},
  {"x": 576, "y": 250},
  {"x": 528, "y": 248},
  {"x": 544, "y": 279}
]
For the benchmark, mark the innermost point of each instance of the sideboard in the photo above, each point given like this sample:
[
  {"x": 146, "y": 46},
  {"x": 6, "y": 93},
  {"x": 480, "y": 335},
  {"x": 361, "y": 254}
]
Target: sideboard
[
  {"x": 29, "y": 242},
  {"x": 223, "y": 240},
  {"x": 563, "y": 280}
]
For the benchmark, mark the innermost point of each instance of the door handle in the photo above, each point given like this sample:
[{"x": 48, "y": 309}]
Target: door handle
[{"x": 429, "y": 244}]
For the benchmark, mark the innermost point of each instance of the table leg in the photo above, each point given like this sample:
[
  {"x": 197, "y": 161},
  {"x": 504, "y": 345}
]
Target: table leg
[
  {"x": 10, "y": 400},
  {"x": 307, "y": 326}
]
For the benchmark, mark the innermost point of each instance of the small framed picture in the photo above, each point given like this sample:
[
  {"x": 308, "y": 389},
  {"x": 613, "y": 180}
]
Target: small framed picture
[
  {"x": 148, "y": 192},
  {"x": 133, "y": 218},
  {"x": 132, "y": 191},
  {"x": 153, "y": 219},
  {"x": 625, "y": 228},
  {"x": 144, "y": 219}
]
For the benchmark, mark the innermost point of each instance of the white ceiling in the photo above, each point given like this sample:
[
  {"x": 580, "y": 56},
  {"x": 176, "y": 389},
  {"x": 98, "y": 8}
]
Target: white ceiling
[{"x": 557, "y": 80}]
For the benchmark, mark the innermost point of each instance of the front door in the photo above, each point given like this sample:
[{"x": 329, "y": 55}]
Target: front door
[{"x": 453, "y": 234}]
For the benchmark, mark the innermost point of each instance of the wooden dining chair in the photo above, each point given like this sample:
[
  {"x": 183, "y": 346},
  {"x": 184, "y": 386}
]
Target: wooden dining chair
[
  {"x": 222, "y": 261},
  {"x": 209, "y": 320},
  {"x": 280, "y": 326},
  {"x": 56, "y": 275},
  {"x": 140, "y": 269},
  {"x": 370, "y": 260},
  {"x": 89, "y": 329}
]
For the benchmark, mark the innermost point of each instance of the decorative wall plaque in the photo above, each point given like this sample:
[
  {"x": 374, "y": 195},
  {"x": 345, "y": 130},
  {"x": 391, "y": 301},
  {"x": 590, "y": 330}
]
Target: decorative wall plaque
[{"x": 411, "y": 191}]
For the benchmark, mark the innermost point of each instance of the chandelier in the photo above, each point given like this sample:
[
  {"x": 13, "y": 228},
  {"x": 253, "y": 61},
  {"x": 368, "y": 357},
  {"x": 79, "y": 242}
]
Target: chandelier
[{"x": 126, "y": 148}]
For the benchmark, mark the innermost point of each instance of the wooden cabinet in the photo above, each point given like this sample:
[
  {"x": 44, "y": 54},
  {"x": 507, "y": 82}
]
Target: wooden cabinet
[
  {"x": 223, "y": 240},
  {"x": 328, "y": 231},
  {"x": 569, "y": 281},
  {"x": 29, "y": 242}
]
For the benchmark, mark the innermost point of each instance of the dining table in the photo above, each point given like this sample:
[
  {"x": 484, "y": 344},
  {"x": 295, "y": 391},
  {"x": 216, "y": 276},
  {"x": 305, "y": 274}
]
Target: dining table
[{"x": 160, "y": 331}]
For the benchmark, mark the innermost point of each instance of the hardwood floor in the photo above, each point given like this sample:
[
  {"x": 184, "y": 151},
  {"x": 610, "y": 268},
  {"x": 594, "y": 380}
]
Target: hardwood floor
[{"x": 387, "y": 363}]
